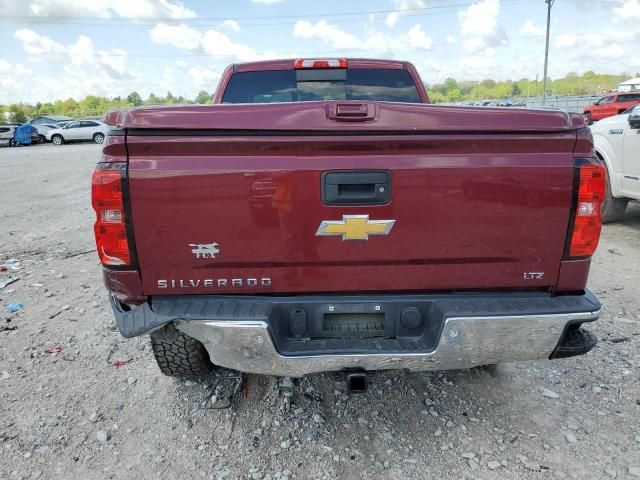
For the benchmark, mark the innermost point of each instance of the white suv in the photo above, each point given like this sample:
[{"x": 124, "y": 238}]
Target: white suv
[
  {"x": 617, "y": 144},
  {"x": 81, "y": 130}
]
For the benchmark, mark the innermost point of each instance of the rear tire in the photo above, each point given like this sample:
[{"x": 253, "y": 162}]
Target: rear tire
[
  {"x": 98, "y": 138},
  {"x": 57, "y": 140},
  {"x": 42, "y": 139},
  {"x": 613, "y": 208},
  {"x": 179, "y": 355}
]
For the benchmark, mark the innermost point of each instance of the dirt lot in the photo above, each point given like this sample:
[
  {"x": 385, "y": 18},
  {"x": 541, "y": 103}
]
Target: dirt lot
[{"x": 60, "y": 393}]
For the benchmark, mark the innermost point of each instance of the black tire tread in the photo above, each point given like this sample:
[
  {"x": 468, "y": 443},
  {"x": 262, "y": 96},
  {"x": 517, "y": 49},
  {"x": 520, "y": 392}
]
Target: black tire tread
[
  {"x": 613, "y": 208},
  {"x": 179, "y": 355}
]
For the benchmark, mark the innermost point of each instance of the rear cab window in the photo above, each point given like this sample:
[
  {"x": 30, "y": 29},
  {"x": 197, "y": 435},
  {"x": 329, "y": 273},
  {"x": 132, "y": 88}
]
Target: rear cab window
[
  {"x": 628, "y": 97},
  {"x": 281, "y": 86}
]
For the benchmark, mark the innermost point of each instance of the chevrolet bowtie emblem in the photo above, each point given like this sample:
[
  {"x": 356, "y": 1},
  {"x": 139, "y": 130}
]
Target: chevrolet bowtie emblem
[{"x": 354, "y": 227}]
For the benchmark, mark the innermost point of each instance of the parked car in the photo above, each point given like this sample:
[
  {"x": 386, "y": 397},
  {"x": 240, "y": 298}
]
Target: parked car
[
  {"x": 78, "y": 131},
  {"x": 610, "y": 105},
  {"x": 617, "y": 144},
  {"x": 50, "y": 119},
  {"x": 375, "y": 258},
  {"x": 43, "y": 129},
  {"x": 99, "y": 118},
  {"x": 6, "y": 135}
]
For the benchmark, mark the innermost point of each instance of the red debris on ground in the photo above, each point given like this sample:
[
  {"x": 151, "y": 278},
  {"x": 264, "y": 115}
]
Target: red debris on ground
[
  {"x": 53, "y": 351},
  {"x": 245, "y": 389}
]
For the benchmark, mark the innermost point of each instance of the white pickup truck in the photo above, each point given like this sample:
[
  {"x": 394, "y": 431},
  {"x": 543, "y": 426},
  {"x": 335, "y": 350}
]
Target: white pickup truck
[{"x": 617, "y": 144}]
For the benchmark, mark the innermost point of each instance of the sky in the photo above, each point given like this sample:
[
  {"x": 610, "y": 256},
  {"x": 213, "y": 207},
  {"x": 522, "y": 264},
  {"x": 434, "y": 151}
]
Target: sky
[{"x": 58, "y": 49}]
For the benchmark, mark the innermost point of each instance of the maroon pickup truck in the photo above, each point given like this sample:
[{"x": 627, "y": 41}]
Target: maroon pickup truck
[{"x": 322, "y": 216}]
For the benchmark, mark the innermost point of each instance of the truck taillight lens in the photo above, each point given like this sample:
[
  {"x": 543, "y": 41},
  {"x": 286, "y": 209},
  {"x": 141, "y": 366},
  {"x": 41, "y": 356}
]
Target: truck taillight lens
[
  {"x": 110, "y": 228},
  {"x": 320, "y": 63},
  {"x": 589, "y": 196}
]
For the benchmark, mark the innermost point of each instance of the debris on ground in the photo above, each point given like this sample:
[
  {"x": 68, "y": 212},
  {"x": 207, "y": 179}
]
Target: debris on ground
[
  {"x": 497, "y": 425},
  {"x": 8, "y": 281},
  {"x": 14, "y": 307},
  {"x": 53, "y": 351}
]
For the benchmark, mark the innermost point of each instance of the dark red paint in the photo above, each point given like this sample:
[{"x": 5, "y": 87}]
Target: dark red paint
[{"x": 480, "y": 197}]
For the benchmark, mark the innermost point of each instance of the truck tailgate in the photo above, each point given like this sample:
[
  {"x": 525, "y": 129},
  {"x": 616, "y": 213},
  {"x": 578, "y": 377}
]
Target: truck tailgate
[{"x": 223, "y": 208}]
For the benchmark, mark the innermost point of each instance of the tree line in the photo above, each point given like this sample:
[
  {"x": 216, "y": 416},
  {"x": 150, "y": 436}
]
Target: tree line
[
  {"x": 589, "y": 83},
  {"x": 92, "y": 105},
  {"x": 451, "y": 90}
]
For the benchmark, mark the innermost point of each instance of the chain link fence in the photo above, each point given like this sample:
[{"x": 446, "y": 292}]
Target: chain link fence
[{"x": 572, "y": 103}]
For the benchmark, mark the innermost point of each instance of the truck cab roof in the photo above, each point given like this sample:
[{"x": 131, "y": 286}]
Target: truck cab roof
[{"x": 289, "y": 64}]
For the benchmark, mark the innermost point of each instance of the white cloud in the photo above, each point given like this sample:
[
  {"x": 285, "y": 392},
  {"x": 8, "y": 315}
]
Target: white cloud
[
  {"x": 629, "y": 11},
  {"x": 114, "y": 62},
  {"x": 400, "y": 7},
  {"x": 217, "y": 43},
  {"x": 179, "y": 36},
  {"x": 434, "y": 71},
  {"x": 212, "y": 42},
  {"x": 613, "y": 51},
  {"x": 415, "y": 38},
  {"x": 38, "y": 44},
  {"x": 451, "y": 40},
  {"x": 326, "y": 33},
  {"x": 480, "y": 65},
  {"x": 566, "y": 40},
  {"x": 81, "y": 69},
  {"x": 621, "y": 35},
  {"x": 232, "y": 25},
  {"x": 530, "y": 28},
  {"x": 392, "y": 19},
  {"x": 4, "y": 65},
  {"x": 590, "y": 40},
  {"x": 597, "y": 50},
  {"x": 137, "y": 9},
  {"x": 419, "y": 39},
  {"x": 206, "y": 78},
  {"x": 82, "y": 51},
  {"x": 479, "y": 24}
]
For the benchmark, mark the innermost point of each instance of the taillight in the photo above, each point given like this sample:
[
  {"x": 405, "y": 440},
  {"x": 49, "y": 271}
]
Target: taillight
[
  {"x": 589, "y": 195},
  {"x": 320, "y": 63},
  {"x": 110, "y": 228}
]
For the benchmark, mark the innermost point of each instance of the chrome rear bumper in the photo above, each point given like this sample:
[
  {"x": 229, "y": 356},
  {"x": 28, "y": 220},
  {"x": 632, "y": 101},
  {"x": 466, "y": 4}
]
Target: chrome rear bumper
[{"x": 465, "y": 342}]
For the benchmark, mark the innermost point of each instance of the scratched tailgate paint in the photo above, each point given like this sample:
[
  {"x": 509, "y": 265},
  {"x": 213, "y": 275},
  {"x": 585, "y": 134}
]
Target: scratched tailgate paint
[{"x": 476, "y": 205}]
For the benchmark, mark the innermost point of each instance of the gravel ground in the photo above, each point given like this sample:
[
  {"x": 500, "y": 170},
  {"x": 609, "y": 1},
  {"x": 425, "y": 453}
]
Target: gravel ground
[{"x": 79, "y": 401}]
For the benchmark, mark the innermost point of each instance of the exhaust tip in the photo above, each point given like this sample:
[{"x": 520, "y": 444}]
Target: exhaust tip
[{"x": 357, "y": 382}]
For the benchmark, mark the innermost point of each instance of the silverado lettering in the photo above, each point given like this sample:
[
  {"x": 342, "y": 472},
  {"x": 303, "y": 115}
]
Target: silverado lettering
[
  {"x": 219, "y": 282},
  {"x": 396, "y": 234}
]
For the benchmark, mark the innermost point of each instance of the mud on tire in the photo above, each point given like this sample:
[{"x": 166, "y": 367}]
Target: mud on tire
[{"x": 179, "y": 355}]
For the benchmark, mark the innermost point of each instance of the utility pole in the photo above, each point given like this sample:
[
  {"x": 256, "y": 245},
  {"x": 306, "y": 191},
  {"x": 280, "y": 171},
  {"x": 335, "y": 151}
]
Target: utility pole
[{"x": 546, "y": 51}]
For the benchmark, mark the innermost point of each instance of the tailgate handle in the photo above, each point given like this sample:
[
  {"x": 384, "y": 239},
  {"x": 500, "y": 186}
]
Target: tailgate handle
[
  {"x": 351, "y": 112},
  {"x": 356, "y": 188}
]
